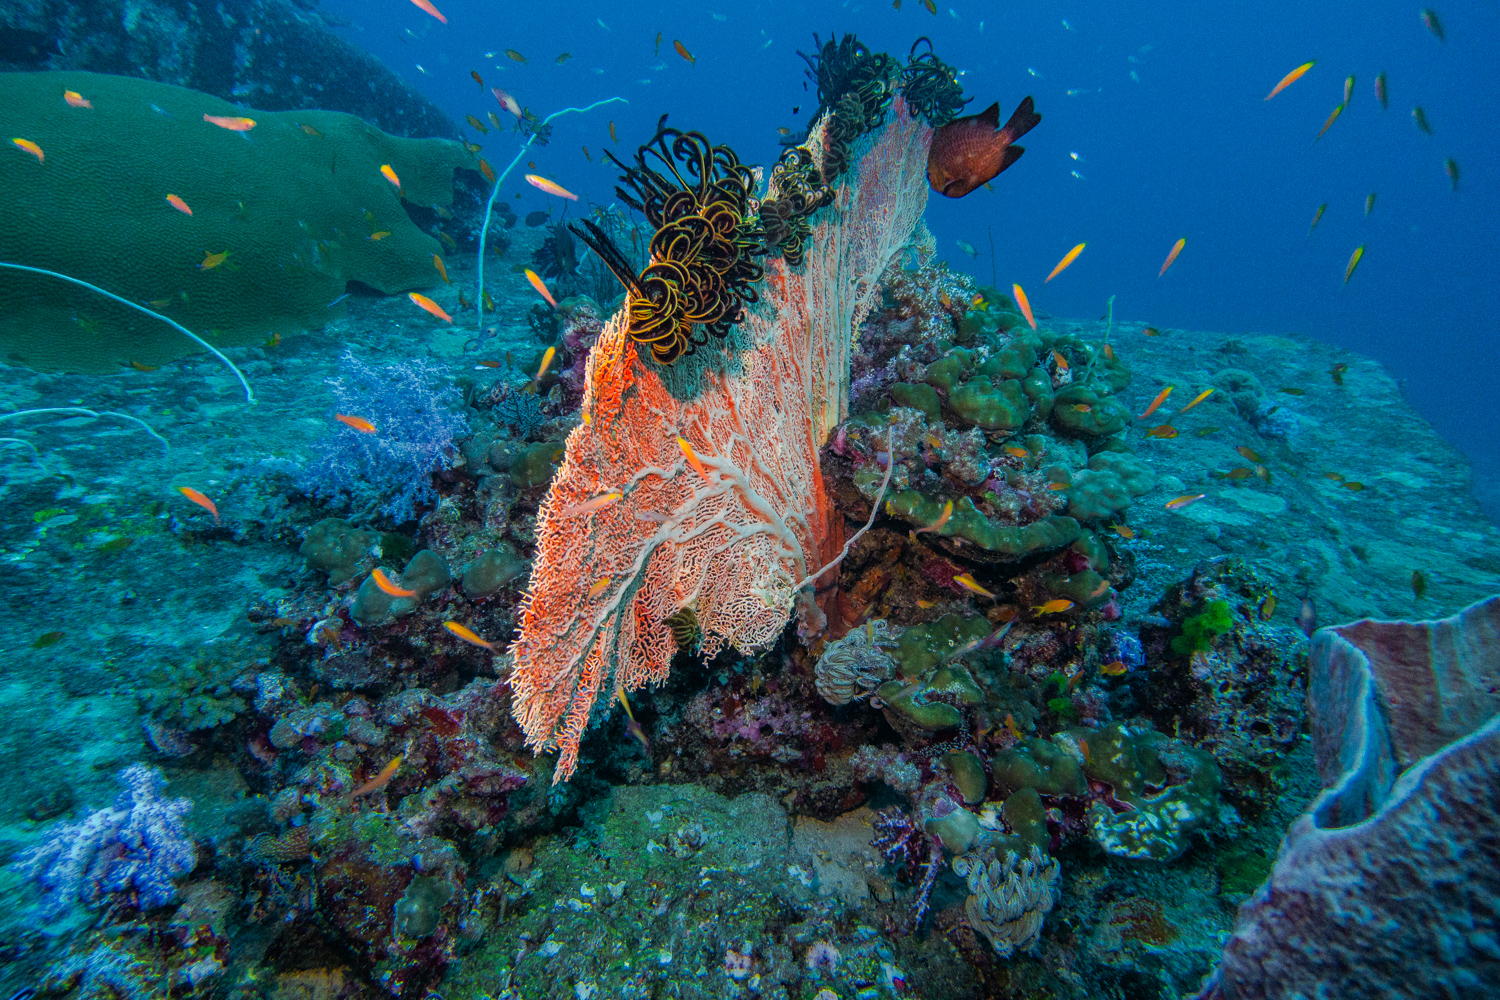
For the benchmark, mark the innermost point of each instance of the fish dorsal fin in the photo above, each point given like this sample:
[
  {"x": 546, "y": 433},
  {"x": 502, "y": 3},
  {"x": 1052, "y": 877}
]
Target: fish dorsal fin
[{"x": 990, "y": 115}]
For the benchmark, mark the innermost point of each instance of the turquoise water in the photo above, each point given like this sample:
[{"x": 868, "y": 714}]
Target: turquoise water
[{"x": 447, "y": 560}]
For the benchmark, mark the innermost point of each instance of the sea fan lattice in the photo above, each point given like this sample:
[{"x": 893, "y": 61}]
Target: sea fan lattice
[{"x": 737, "y": 543}]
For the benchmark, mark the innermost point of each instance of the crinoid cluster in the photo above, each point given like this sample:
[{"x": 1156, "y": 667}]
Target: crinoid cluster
[
  {"x": 532, "y": 127},
  {"x": 857, "y": 664},
  {"x": 799, "y": 191},
  {"x": 557, "y": 256},
  {"x": 855, "y": 87},
  {"x": 848, "y": 67},
  {"x": 697, "y": 198},
  {"x": 930, "y": 86}
]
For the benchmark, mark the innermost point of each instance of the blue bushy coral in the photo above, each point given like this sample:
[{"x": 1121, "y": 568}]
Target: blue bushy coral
[
  {"x": 139, "y": 844},
  {"x": 417, "y": 418}
]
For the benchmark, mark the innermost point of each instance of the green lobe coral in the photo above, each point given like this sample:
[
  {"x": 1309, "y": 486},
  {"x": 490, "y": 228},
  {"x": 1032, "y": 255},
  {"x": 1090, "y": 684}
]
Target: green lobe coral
[{"x": 294, "y": 209}]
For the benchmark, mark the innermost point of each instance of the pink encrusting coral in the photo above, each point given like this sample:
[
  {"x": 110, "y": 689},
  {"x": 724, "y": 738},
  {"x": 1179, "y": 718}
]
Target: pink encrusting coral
[{"x": 737, "y": 543}]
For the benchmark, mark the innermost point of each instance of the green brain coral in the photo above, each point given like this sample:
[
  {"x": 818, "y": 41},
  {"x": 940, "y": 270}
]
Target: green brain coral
[{"x": 294, "y": 201}]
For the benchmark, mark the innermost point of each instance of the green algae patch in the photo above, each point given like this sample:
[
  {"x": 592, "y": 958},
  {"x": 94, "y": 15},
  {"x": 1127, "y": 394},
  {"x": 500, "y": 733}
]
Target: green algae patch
[
  {"x": 294, "y": 210},
  {"x": 1199, "y": 631}
]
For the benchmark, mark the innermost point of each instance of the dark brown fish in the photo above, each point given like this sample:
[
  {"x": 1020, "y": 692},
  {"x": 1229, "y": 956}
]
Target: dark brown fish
[{"x": 969, "y": 152}]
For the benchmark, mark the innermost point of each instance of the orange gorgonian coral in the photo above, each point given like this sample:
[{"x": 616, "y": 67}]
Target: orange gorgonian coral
[{"x": 738, "y": 543}]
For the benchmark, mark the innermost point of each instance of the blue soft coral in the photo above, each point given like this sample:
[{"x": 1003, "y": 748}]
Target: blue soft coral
[
  {"x": 139, "y": 844},
  {"x": 415, "y": 429}
]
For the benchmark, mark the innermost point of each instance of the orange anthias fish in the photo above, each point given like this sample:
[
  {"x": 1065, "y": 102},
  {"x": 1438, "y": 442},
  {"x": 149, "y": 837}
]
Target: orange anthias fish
[
  {"x": 1024, "y": 303},
  {"x": 1196, "y": 400},
  {"x": 1176, "y": 249},
  {"x": 1182, "y": 501},
  {"x": 390, "y": 175},
  {"x": 547, "y": 357},
  {"x": 942, "y": 519},
  {"x": 231, "y": 123},
  {"x": 31, "y": 148},
  {"x": 693, "y": 459},
  {"x": 382, "y": 234},
  {"x": 1290, "y": 78},
  {"x": 429, "y": 305},
  {"x": 1162, "y": 431},
  {"x": 612, "y": 135},
  {"x": 358, "y": 423},
  {"x": 971, "y": 151},
  {"x": 589, "y": 506},
  {"x": 515, "y": 56},
  {"x": 551, "y": 187},
  {"x": 179, "y": 204},
  {"x": 682, "y": 51},
  {"x": 1115, "y": 669},
  {"x": 1122, "y": 530},
  {"x": 442, "y": 269},
  {"x": 76, "y": 100},
  {"x": 200, "y": 500},
  {"x": 387, "y": 585},
  {"x": 1354, "y": 258},
  {"x": 380, "y": 780},
  {"x": 967, "y": 581},
  {"x": 1062, "y": 265},
  {"x": 1329, "y": 123},
  {"x": 488, "y": 171},
  {"x": 1380, "y": 93},
  {"x": 468, "y": 635},
  {"x": 212, "y": 260},
  {"x": 1161, "y": 397},
  {"x": 541, "y": 287},
  {"x": 600, "y": 586},
  {"x": 429, "y": 8},
  {"x": 1430, "y": 18},
  {"x": 1053, "y": 607}
]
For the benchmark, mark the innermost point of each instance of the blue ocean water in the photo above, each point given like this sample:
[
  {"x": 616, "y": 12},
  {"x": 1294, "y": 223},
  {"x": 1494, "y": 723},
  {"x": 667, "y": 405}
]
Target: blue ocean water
[
  {"x": 1083, "y": 683},
  {"x": 1163, "y": 107}
]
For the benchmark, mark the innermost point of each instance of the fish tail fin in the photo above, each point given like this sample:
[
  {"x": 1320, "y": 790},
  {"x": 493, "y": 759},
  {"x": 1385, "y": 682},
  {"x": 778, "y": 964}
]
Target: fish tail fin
[{"x": 1022, "y": 120}]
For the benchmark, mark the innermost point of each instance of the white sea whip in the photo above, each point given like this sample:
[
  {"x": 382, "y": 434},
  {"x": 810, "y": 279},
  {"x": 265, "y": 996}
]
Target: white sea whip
[{"x": 495, "y": 191}]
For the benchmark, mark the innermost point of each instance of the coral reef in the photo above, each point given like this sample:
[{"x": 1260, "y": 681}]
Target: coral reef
[
  {"x": 739, "y": 540},
  {"x": 135, "y": 848}
]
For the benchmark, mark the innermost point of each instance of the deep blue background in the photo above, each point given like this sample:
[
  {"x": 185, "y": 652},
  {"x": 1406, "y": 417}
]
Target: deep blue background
[{"x": 1190, "y": 149}]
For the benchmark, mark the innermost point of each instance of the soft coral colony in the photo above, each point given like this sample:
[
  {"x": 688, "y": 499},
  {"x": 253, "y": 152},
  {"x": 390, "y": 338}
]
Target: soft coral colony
[{"x": 732, "y": 523}]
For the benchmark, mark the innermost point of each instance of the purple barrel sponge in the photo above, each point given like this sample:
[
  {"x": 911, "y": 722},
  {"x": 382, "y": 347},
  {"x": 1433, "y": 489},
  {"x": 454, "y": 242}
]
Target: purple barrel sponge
[
  {"x": 137, "y": 845},
  {"x": 1388, "y": 886}
]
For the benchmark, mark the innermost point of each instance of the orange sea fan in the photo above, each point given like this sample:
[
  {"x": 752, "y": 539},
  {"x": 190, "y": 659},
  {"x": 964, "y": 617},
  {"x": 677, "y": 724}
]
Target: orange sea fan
[{"x": 738, "y": 549}]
